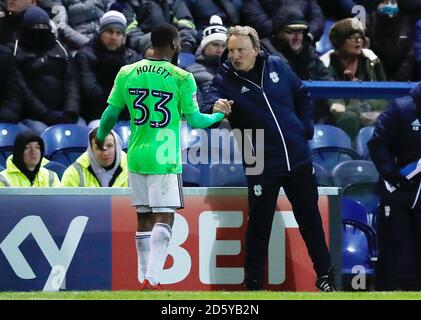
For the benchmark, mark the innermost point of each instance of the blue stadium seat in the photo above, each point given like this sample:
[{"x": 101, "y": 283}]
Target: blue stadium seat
[
  {"x": 227, "y": 175},
  {"x": 191, "y": 176},
  {"x": 323, "y": 178},
  {"x": 64, "y": 143},
  {"x": 8, "y": 133},
  {"x": 330, "y": 146},
  {"x": 361, "y": 140},
  {"x": 56, "y": 167},
  {"x": 122, "y": 128},
  {"x": 359, "y": 247},
  {"x": 354, "y": 171},
  {"x": 358, "y": 178},
  {"x": 186, "y": 59},
  {"x": 354, "y": 210},
  {"x": 1, "y": 168}
]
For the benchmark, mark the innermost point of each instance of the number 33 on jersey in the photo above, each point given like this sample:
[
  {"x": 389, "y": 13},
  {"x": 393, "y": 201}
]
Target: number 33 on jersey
[{"x": 156, "y": 93}]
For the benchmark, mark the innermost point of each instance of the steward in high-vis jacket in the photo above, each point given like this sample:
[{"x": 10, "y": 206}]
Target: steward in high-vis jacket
[
  {"x": 396, "y": 142},
  {"x": 266, "y": 94},
  {"x": 25, "y": 167},
  {"x": 99, "y": 168}
]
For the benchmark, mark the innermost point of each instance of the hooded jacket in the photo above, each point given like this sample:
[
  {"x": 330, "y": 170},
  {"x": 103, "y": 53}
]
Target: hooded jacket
[
  {"x": 396, "y": 140},
  {"x": 13, "y": 177},
  {"x": 279, "y": 104},
  {"x": 17, "y": 174},
  {"x": 82, "y": 173}
]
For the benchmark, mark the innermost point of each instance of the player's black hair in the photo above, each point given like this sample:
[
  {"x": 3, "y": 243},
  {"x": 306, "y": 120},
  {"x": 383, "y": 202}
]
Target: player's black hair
[{"x": 164, "y": 35}]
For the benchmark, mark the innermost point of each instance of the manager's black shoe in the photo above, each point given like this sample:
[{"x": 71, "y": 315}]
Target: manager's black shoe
[{"x": 326, "y": 283}]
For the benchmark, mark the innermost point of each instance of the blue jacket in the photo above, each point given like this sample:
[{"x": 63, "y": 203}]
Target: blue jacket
[
  {"x": 280, "y": 105},
  {"x": 398, "y": 134}
]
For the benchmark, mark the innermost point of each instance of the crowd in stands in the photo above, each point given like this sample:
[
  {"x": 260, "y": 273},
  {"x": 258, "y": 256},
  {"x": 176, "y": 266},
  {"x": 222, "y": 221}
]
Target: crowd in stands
[{"x": 59, "y": 58}]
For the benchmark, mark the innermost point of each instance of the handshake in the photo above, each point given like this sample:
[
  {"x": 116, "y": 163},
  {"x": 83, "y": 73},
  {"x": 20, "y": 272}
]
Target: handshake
[{"x": 223, "y": 105}]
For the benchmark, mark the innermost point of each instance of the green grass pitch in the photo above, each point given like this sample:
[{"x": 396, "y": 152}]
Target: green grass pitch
[{"x": 207, "y": 295}]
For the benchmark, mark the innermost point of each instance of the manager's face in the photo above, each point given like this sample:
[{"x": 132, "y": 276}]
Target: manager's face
[{"x": 241, "y": 52}]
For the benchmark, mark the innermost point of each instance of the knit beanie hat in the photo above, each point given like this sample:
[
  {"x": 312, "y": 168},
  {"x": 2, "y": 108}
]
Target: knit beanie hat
[
  {"x": 291, "y": 18},
  {"x": 342, "y": 29},
  {"x": 216, "y": 31},
  {"x": 113, "y": 19},
  {"x": 35, "y": 16}
]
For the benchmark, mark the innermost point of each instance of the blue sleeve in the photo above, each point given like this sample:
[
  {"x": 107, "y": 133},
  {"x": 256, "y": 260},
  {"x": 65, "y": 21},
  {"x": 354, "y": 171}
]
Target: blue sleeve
[
  {"x": 384, "y": 137},
  {"x": 303, "y": 103}
]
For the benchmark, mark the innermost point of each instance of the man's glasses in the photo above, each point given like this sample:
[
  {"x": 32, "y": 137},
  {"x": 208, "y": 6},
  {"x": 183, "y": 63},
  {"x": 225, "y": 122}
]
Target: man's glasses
[{"x": 356, "y": 38}]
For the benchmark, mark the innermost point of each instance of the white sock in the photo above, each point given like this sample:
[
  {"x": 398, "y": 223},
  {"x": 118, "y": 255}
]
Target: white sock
[
  {"x": 143, "y": 248},
  {"x": 160, "y": 240}
]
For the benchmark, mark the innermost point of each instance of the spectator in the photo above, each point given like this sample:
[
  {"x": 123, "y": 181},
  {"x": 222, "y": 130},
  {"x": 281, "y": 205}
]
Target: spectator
[
  {"x": 396, "y": 142},
  {"x": 289, "y": 40},
  {"x": 11, "y": 20},
  {"x": 350, "y": 61},
  {"x": 208, "y": 55},
  {"x": 78, "y": 21},
  {"x": 99, "y": 61},
  {"x": 24, "y": 168},
  {"x": 412, "y": 8},
  {"x": 46, "y": 75},
  {"x": 99, "y": 168},
  {"x": 259, "y": 13},
  {"x": 203, "y": 10},
  {"x": 391, "y": 38},
  {"x": 10, "y": 99},
  {"x": 266, "y": 94},
  {"x": 142, "y": 18}
]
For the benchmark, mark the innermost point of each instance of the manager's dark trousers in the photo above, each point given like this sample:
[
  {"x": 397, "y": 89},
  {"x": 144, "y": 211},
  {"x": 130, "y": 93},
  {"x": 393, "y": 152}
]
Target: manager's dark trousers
[
  {"x": 301, "y": 190},
  {"x": 399, "y": 238}
]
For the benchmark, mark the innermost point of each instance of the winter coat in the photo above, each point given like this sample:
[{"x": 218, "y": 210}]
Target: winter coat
[
  {"x": 10, "y": 99},
  {"x": 396, "y": 140},
  {"x": 306, "y": 63},
  {"x": 97, "y": 71},
  {"x": 143, "y": 18},
  {"x": 10, "y": 26},
  {"x": 279, "y": 104},
  {"x": 78, "y": 20},
  {"x": 392, "y": 40},
  {"x": 48, "y": 82},
  {"x": 370, "y": 68},
  {"x": 202, "y": 10},
  {"x": 258, "y": 14}
]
